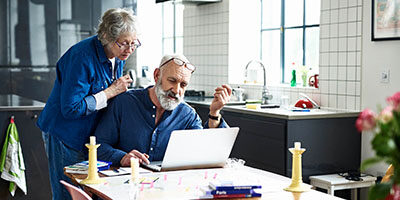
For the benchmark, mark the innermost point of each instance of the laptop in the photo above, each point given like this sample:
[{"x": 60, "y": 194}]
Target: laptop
[{"x": 196, "y": 148}]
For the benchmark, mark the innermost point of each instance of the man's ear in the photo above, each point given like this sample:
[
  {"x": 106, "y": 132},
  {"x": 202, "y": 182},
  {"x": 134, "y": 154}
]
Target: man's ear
[{"x": 156, "y": 74}]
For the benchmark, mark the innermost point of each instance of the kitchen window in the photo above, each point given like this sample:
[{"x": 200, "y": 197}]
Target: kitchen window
[
  {"x": 172, "y": 27},
  {"x": 289, "y": 36}
]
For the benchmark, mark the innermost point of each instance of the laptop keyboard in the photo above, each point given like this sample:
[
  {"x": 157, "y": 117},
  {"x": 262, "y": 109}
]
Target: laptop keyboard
[{"x": 153, "y": 167}]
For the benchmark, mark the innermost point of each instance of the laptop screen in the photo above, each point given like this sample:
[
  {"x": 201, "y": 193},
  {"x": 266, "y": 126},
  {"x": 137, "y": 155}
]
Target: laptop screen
[{"x": 199, "y": 148}]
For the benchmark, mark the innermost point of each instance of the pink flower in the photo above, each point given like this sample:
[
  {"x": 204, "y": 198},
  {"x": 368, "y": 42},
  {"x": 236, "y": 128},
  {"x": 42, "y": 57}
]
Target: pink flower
[
  {"x": 366, "y": 120},
  {"x": 394, "y": 101},
  {"x": 386, "y": 115}
]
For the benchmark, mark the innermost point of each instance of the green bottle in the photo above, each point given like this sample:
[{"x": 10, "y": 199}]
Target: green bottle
[{"x": 293, "y": 81}]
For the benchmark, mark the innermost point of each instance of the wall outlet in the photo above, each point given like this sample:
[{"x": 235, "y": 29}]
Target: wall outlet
[{"x": 385, "y": 76}]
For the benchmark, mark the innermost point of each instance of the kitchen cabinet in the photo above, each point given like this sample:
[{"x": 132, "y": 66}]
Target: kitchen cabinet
[
  {"x": 25, "y": 114},
  {"x": 332, "y": 143}
]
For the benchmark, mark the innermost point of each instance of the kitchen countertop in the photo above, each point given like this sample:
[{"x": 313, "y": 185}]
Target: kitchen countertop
[
  {"x": 281, "y": 113},
  {"x": 12, "y": 102}
]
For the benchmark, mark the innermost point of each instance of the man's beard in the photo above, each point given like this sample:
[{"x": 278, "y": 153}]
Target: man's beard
[{"x": 164, "y": 97}]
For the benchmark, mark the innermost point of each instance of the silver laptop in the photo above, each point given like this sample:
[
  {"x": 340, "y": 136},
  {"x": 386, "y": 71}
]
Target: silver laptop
[{"x": 197, "y": 148}]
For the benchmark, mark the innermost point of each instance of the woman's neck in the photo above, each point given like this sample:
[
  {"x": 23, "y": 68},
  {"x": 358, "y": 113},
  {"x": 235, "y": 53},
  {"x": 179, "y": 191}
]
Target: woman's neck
[{"x": 108, "y": 51}]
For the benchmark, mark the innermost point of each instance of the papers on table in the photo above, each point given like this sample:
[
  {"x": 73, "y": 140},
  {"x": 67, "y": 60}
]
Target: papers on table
[{"x": 122, "y": 171}]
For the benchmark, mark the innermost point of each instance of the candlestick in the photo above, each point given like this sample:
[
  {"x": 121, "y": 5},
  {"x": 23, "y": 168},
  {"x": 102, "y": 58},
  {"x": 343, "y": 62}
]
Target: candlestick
[
  {"x": 92, "y": 140},
  {"x": 297, "y": 179},
  {"x": 93, "y": 176},
  {"x": 135, "y": 169}
]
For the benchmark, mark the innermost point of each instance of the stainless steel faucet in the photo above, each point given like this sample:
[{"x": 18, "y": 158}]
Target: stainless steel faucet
[{"x": 265, "y": 93}]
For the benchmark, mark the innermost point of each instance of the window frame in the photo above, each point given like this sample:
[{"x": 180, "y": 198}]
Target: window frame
[
  {"x": 282, "y": 29},
  {"x": 174, "y": 36}
]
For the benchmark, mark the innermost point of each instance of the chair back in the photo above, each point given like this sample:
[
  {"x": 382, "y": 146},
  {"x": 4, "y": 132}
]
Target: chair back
[{"x": 75, "y": 192}]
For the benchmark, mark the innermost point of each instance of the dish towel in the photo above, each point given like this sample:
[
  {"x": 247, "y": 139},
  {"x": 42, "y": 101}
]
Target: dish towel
[{"x": 12, "y": 165}]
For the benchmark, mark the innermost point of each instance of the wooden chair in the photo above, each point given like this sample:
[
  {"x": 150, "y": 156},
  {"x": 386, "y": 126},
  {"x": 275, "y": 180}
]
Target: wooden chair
[{"x": 75, "y": 192}]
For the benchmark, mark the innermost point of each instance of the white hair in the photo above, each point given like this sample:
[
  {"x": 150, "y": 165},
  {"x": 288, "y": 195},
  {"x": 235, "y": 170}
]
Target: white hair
[{"x": 114, "y": 23}]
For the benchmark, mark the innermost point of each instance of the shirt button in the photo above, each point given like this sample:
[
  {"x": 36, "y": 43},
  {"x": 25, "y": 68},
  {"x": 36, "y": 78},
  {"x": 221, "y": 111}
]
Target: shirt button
[
  {"x": 154, "y": 107},
  {"x": 153, "y": 116},
  {"x": 151, "y": 149}
]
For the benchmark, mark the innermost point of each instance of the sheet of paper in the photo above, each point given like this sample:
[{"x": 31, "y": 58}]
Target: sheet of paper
[{"x": 123, "y": 171}]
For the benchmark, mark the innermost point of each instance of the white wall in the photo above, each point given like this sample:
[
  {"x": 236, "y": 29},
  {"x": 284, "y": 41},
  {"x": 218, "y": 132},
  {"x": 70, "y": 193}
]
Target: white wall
[
  {"x": 150, "y": 35},
  {"x": 377, "y": 56}
]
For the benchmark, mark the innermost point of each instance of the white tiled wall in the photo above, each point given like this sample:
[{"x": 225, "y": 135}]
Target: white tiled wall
[
  {"x": 340, "y": 53},
  {"x": 206, "y": 44},
  {"x": 206, "y": 34}
]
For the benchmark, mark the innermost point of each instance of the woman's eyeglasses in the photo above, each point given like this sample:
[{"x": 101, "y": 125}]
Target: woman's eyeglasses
[
  {"x": 180, "y": 62},
  {"x": 136, "y": 44}
]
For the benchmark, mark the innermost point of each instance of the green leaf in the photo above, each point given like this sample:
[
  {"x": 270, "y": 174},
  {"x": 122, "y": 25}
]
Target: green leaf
[
  {"x": 379, "y": 191},
  {"x": 370, "y": 161},
  {"x": 383, "y": 145}
]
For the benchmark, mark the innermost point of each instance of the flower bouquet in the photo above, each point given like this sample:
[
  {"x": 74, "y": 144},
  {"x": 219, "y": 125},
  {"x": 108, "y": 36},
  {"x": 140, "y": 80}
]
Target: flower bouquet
[{"x": 385, "y": 143}]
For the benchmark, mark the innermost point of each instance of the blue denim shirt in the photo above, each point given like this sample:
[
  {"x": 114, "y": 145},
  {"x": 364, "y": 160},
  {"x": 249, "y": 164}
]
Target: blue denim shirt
[
  {"x": 70, "y": 112},
  {"x": 129, "y": 123}
]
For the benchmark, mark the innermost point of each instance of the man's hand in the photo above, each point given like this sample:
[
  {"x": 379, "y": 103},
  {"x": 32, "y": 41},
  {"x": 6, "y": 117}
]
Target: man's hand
[
  {"x": 126, "y": 160},
  {"x": 119, "y": 86},
  {"x": 222, "y": 96}
]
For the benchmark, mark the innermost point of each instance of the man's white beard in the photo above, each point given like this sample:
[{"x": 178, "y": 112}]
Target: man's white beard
[{"x": 163, "y": 97}]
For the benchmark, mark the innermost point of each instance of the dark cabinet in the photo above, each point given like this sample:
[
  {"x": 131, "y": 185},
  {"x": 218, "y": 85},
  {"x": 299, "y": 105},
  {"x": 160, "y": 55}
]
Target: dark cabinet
[
  {"x": 260, "y": 142},
  {"x": 332, "y": 145},
  {"x": 36, "y": 173}
]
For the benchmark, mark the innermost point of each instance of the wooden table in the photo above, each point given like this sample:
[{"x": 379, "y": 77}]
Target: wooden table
[{"x": 187, "y": 184}]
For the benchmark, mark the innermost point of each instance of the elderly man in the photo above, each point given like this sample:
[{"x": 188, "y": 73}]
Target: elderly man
[{"x": 139, "y": 123}]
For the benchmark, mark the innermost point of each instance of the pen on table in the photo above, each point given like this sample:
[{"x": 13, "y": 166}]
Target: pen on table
[
  {"x": 301, "y": 110},
  {"x": 154, "y": 180},
  {"x": 115, "y": 170}
]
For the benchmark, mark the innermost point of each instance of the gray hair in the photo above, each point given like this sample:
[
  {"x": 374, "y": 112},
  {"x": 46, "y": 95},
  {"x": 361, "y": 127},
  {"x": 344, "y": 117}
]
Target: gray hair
[
  {"x": 114, "y": 22},
  {"x": 168, "y": 57}
]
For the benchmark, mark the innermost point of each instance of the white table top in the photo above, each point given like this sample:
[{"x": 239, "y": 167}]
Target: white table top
[
  {"x": 335, "y": 179},
  {"x": 186, "y": 184}
]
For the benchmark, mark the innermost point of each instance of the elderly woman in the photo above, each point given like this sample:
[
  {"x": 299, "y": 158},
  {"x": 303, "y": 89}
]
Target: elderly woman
[{"x": 88, "y": 74}]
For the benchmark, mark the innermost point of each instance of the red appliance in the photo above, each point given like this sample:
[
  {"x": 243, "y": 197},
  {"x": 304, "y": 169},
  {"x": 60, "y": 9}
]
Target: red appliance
[
  {"x": 303, "y": 103},
  {"x": 313, "y": 81}
]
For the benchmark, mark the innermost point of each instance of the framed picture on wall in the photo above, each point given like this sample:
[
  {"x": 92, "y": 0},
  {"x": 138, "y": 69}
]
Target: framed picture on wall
[{"x": 385, "y": 20}]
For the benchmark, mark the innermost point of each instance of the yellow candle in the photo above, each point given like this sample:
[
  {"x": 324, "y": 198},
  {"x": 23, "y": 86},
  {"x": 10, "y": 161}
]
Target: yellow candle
[
  {"x": 135, "y": 169},
  {"x": 297, "y": 145},
  {"x": 92, "y": 140}
]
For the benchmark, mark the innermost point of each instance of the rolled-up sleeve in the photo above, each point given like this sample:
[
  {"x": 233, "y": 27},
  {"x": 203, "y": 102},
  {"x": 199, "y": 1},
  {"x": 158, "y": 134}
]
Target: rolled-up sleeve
[
  {"x": 196, "y": 123},
  {"x": 222, "y": 124}
]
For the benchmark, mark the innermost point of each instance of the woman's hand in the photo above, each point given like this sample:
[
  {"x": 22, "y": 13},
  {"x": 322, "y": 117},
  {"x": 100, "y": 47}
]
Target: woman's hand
[
  {"x": 119, "y": 86},
  {"x": 126, "y": 160}
]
